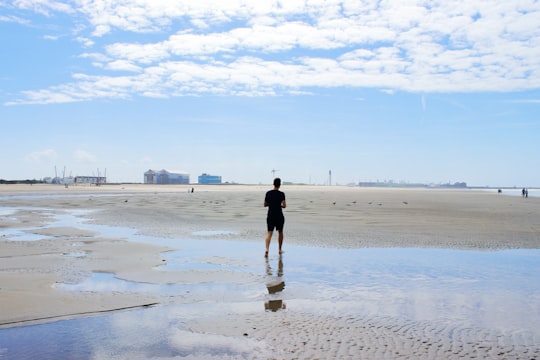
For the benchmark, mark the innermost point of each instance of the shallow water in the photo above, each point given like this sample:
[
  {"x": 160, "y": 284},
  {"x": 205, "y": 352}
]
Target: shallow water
[
  {"x": 515, "y": 192},
  {"x": 496, "y": 290}
]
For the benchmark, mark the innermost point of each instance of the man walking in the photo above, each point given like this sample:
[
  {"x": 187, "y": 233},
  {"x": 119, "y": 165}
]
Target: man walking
[{"x": 275, "y": 201}]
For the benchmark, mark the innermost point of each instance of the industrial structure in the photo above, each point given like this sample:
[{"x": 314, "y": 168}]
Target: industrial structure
[
  {"x": 165, "y": 177},
  {"x": 90, "y": 180},
  {"x": 207, "y": 179}
]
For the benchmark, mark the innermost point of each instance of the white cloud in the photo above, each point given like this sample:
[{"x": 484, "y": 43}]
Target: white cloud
[
  {"x": 86, "y": 42},
  {"x": 527, "y": 101},
  {"x": 43, "y": 155},
  {"x": 244, "y": 47},
  {"x": 146, "y": 160},
  {"x": 141, "y": 53},
  {"x": 51, "y": 37},
  {"x": 122, "y": 65},
  {"x": 14, "y": 19},
  {"x": 101, "y": 30},
  {"x": 83, "y": 156},
  {"x": 44, "y": 7}
]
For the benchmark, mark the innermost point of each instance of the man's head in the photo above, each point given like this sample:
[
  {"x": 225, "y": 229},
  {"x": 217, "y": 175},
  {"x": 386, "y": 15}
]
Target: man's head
[{"x": 277, "y": 182}]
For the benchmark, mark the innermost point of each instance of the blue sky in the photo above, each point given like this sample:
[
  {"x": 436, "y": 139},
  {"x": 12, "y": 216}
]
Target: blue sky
[{"x": 434, "y": 92}]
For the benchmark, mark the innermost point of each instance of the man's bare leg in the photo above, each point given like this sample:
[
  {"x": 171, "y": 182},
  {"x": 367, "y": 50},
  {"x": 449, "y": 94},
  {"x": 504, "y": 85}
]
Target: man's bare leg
[
  {"x": 268, "y": 238},
  {"x": 280, "y": 241}
]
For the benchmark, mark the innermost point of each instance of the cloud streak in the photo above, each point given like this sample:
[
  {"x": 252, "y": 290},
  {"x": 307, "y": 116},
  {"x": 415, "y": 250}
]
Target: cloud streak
[
  {"x": 43, "y": 155},
  {"x": 250, "y": 48},
  {"x": 83, "y": 156}
]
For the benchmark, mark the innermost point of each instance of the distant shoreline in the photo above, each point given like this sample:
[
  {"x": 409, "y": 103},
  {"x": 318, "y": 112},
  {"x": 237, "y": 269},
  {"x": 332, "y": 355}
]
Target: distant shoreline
[{"x": 362, "y": 185}]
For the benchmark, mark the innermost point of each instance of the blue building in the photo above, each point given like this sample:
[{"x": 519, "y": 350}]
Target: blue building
[
  {"x": 209, "y": 179},
  {"x": 165, "y": 177}
]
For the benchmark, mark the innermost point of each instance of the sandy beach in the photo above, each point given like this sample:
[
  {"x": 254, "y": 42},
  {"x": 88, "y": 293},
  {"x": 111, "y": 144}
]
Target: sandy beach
[{"x": 174, "y": 254}]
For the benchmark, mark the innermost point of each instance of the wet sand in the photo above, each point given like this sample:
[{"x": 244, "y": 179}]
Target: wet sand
[{"x": 38, "y": 259}]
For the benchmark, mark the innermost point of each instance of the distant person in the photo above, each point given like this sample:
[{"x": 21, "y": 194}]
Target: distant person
[
  {"x": 275, "y": 201},
  {"x": 526, "y": 193},
  {"x": 523, "y": 192}
]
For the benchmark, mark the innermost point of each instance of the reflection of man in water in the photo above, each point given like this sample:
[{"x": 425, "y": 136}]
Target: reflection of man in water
[
  {"x": 274, "y": 285},
  {"x": 275, "y": 201}
]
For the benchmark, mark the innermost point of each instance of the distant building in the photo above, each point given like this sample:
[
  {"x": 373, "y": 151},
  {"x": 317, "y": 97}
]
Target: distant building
[
  {"x": 165, "y": 177},
  {"x": 209, "y": 179},
  {"x": 150, "y": 177},
  {"x": 59, "y": 180},
  {"x": 89, "y": 180}
]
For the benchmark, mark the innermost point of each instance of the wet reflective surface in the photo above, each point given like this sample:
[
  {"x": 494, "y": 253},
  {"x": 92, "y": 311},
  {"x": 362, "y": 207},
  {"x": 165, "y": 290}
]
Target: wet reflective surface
[
  {"x": 275, "y": 284},
  {"x": 516, "y": 192},
  {"x": 497, "y": 290}
]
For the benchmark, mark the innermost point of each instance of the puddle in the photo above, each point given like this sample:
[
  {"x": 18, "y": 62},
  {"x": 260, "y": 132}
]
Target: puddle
[
  {"x": 107, "y": 282},
  {"x": 151, "y": 333},
  {"x": 74, "y": 219},
  {"x": 21, "y": 235},
  {"x": 488, "y": 289},
  {"x": 200, "y": 292},
  {"x": 35, "y": 233},
  {"x": 57, "y": 196}
]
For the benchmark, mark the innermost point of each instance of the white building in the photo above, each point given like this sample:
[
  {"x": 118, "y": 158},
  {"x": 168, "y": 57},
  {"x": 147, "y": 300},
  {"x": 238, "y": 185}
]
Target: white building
[{"x": 165, "y": 177}]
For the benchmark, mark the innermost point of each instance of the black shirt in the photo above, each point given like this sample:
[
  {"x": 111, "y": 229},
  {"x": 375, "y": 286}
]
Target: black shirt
[{"x": 274, "y": 198}]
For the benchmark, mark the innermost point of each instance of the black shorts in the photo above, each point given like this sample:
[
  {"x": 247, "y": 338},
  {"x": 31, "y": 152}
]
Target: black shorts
[{"x": 275, "y": 222}]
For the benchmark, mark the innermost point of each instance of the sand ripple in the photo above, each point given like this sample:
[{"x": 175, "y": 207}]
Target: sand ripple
[{"x": 293, "y": 335}]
